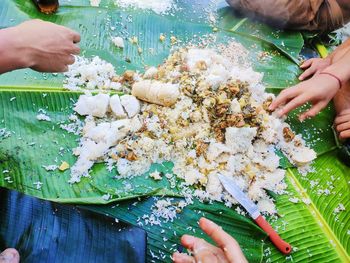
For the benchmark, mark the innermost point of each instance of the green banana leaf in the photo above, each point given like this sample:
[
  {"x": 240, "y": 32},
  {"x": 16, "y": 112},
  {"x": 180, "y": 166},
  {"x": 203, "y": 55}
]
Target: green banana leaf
[
  {"x": 165, "y": 238},
  {"x": 316, "y": 232}
]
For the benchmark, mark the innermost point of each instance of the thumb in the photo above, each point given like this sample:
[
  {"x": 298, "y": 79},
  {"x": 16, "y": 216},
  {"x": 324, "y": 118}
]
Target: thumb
[{"x": 9, "y": 255}]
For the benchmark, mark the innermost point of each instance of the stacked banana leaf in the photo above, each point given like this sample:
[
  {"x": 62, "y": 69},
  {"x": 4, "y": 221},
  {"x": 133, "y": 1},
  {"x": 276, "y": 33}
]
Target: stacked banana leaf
[{"x": 315, "y": 227}]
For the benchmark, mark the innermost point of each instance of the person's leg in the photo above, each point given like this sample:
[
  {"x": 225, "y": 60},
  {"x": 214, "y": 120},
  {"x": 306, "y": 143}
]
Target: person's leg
[
  {"x": 342, "y": 107},
  {"x": 9, "y": 255}
]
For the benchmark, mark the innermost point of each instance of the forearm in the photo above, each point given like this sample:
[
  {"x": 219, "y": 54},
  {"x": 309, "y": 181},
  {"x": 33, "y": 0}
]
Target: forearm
[
  {"x": 341, "y": 68},
  {"x": 340, "y": 51},
  {"x": 12, "y": 54}
]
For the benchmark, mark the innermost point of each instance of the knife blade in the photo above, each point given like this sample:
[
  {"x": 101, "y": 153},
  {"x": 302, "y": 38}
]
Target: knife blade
[
  {"x": 253, "y": 210},
  {"x": 241, "y": 197}
]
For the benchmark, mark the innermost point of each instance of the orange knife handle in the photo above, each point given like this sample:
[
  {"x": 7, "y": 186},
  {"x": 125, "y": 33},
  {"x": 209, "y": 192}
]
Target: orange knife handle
[{"x": 281, "y": 245}]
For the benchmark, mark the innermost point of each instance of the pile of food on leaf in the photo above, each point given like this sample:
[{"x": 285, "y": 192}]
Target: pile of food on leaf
[{"x": 200, "y": 110}]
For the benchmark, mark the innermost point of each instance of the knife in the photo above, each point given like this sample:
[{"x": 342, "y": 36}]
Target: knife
[{"x": 253, "y": 210}]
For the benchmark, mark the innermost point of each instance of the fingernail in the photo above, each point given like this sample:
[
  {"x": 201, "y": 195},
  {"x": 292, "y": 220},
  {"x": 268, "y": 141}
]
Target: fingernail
[
  {"x": 208, "y": 221},
  {"x": 189, "y": 239},
  {"x": 205, "y": 223}
]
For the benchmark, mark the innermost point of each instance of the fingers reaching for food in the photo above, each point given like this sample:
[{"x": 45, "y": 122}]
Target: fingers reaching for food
[
  {"x": 319, "y": 90},
  {"x": 227, "y": 249}
]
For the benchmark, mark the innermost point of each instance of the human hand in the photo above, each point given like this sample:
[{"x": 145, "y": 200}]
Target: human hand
[
  {"x": 9, "y": 255},
  {"x": 342, "y": 124},
  {"x": 318, "y": 90},
  {"x": 228, "y": 250},
  {"x": 45, "y": 46},
  {"x": 314, "y": 66}
]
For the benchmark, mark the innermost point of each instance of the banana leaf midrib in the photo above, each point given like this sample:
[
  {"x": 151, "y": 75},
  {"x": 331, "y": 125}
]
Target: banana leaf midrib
[
  {"x": 238, "y": 25},
  {"x": 54, "y": 90},
  {"x": 99, "y": 200}
]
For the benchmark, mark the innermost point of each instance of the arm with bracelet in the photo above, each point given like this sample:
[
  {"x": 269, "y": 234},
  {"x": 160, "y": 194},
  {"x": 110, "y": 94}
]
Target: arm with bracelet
[
  {"x": 314, "y": 66},
  {"x": 318, "y": 90},
  {"x": 341, "y": 67}
]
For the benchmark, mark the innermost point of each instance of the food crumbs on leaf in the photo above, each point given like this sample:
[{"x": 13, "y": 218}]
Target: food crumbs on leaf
[
  {"x": 50, "y": 168},
  {"x": 38, "y": 185},
  {"x": 162, "y": 37},
  {"x": 118, "y": 42},
  {"x": 156, "y": 175},
  {"x": 43, "y": 117},
  {"x": 339, "y": 209},
  {"x": 95, "y": 3},
  {"x": 64, "y": 166},
  {"x": 134, "y": 40},
  {"x": 158, "y": 6},
  {"x": 173, "y": 40},
  {"x": 106, "y": 197}
]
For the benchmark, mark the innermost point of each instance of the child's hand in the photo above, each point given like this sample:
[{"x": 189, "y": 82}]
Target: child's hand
[
  {"x": 314, "y": 66},
  {"x": 318, "y": 90},
  {"x": 227, "y": 249}
]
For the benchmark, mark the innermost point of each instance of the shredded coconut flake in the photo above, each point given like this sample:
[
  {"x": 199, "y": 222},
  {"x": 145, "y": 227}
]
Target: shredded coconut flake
[
  {"x": 51, "y": 167},
  {"x": 43, "y": 117},
  {"x": 95, "y": 2},
  {"x": 118, "y": 42},
  {"x": 157, "y": 6}
]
